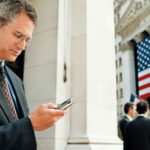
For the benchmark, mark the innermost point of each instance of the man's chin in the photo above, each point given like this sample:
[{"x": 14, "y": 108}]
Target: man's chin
[{"x": 12, "y": 59}]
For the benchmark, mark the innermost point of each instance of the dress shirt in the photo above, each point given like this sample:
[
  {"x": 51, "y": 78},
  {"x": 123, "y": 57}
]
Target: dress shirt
[{"x": 130, "y": 118}]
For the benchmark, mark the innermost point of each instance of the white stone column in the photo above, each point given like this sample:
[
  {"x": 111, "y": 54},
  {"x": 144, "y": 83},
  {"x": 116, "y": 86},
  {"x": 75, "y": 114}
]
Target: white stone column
[
  {"x": 94, "y": 114},
  {"x": 128, "y": 63},
  {"x": 44, "y": 68}
]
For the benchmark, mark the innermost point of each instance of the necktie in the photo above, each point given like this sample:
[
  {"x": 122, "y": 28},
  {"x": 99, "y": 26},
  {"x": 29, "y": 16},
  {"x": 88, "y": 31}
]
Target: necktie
[{"x": 7, "y": 93}]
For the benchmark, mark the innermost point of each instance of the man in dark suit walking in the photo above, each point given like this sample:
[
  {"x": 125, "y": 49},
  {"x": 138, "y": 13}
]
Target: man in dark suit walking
[
  {"x": 17, "y": 126},
  {"x": 130, "y": 111},
  {"x": 137, "y": 135}
]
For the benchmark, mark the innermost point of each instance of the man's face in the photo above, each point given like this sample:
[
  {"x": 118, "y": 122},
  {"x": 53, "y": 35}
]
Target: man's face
[
  {"x": 132, "y": 111},
  {"x": 13, "y": 37}
]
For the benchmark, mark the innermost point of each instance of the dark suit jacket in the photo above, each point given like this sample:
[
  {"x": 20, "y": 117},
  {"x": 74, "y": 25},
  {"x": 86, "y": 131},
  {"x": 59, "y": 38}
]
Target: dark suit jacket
[
  {"x": 123, "y": 123},
  {"x": 137, "y": 135},
  {"x": 15, "y": 135}
]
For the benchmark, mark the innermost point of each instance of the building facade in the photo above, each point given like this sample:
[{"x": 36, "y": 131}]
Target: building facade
[
  {"x": 132, "y": 22},
  {"x": 73, "y": 55}
]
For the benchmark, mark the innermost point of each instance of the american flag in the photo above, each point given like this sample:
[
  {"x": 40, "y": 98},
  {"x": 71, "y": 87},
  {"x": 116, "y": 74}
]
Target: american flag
[{"x": 143, "y": 67}]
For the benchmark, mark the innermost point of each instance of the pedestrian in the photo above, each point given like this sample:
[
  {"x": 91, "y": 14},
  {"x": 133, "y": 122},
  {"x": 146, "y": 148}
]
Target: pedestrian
[
  {"x": 137, "y": 134},
  {"x": 130, "y": 112}
]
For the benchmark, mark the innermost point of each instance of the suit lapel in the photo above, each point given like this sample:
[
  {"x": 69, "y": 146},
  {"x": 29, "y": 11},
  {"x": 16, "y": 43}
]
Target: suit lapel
[{"x": 19, "y": 92}]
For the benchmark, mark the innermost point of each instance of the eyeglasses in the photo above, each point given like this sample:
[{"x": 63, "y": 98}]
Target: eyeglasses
[{"x": 21, "y": 38}]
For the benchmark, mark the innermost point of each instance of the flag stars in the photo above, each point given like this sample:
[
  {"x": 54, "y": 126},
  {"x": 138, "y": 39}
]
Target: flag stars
[
  {"x": 145, "y": 63},
  {"x": 143, "y": 54}
]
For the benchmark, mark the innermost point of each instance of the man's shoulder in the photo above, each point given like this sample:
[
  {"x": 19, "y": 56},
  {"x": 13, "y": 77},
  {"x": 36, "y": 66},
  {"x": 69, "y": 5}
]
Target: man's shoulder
[
  {"x": 140, "y": 122},
  {"x": 124, "y": 119},
  {"x": 139, "y": 119}
]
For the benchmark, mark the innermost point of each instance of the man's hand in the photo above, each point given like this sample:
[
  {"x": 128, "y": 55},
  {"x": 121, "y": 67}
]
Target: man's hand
[{"x": 45, "y": 116}]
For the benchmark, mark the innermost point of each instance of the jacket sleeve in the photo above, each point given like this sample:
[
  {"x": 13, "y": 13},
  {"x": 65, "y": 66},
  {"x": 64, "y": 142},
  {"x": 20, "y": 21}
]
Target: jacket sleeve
[
  {"x": 126, "y": 145},
  {"x": 18, "y": 135},
  {"x": 123, "y": 125}
]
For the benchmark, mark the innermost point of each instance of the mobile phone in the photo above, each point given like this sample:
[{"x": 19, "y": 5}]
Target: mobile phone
[{"x": 64, "y": 105}]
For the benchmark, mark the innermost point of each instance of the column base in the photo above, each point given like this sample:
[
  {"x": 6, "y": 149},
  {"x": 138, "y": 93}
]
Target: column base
[
  {"x": 95, "y": 144},
  {"x": 94, "y": 147}
]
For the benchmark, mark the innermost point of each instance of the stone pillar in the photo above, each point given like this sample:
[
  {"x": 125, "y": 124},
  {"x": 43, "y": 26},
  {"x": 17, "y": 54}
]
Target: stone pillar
[
  {"x": 94, "y": 114},
  {"x": 128, "y": 72},
  {"x": 45, "y": 68}
]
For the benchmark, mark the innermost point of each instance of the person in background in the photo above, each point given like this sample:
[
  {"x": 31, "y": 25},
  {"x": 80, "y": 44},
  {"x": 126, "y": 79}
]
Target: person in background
[
  {"x": 130, "y": 112},
  {"x": 137, "y": 135},
  {"x": 17, "y": 22}
]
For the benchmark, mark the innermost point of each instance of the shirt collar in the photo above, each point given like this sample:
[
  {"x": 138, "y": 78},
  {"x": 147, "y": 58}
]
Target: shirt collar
[
  {"x": 130, "y": 118},
  {"x": 142, "y": 115},
  {"x": 2, "y": 62}
]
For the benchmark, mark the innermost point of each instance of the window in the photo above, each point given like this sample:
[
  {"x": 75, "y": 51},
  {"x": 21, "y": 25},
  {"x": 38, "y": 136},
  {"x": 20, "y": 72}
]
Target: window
[
  {"x": 117, "y": 94},
  {"x": 116, "y": 78},
  {"x": 119, "y": 47},
  {"x": 120, "y": 77},
  {"x": 116, "y": 64},
  {"x": 120, "y": 61},
  {"x": 115, "y": 49},
  {"x": 121, "y": 93}
]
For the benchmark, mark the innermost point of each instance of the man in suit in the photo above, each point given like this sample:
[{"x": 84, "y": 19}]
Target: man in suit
[
  {"x": 130, "y": 112},
  {"x": 137, "y": 135},
  {"x": 17, "y": 126}
]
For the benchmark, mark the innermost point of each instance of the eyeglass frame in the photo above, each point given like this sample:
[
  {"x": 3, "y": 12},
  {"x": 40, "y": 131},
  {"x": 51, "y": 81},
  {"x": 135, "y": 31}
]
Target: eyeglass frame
[{"x": 21, "y": 38}]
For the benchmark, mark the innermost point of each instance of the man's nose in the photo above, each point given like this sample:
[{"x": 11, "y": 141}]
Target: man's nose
[{"x": 22, "y": 44}]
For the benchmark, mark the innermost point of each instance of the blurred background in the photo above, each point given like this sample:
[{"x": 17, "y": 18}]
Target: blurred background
[{"x": 132, "y": 49}]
